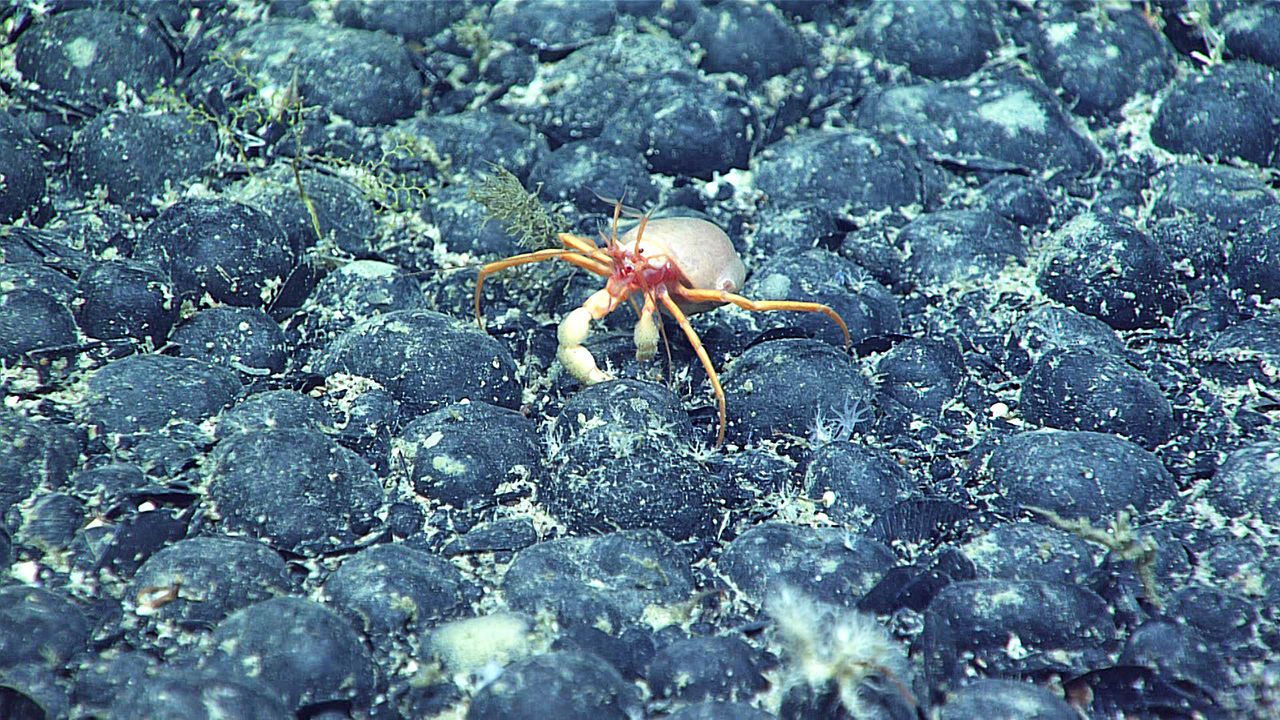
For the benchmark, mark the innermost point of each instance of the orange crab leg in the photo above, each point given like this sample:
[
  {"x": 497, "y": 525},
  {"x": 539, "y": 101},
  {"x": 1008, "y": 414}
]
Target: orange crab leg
[
  {"x": 722, "y": 296},
  {"x": 571, "y": 256},
  {"x": 598, "y": 267},
  {"x": 701, "y": 352},
  {"x": 604, "y": 263},
  {"x": 584, "y": 246}
]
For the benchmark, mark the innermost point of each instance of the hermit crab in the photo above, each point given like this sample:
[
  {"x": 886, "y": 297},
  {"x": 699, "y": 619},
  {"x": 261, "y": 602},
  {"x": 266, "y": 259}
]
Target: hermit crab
[{"x": 680, "y": 265}]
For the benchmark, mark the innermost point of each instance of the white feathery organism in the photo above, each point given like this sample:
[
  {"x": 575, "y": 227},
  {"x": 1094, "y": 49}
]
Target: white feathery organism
[{"x": 829, "y": 646}]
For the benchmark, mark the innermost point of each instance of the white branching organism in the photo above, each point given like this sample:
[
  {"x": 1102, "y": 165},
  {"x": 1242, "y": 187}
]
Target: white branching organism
[
  {"x": 830, "y": 647},
  {"x": 841, "y": 426}
]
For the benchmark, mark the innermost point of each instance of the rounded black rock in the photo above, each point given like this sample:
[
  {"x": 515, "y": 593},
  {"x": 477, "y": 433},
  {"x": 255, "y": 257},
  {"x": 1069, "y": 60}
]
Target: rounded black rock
[
  {"x": 1197, "y": 249},
  {"x": 547, "y": 26},
  {"x": 477, "y": 140},
  {"x": 197, "y": 693},
  {"x": 1225, "y": 112},
  {"x": 83, "y": 56},
  {"x": 275, "y": 408},
  {"x": 781, "y": 386},
  {"x": 863, "y": 482},
  {"x": 1076, "y": 474},
  {"x": 146, "y": 393},
  {"x": 705, "y": 668},
  {"x": 961, "y": 245},
  {"x": 52, "y": 522},
  {"x": 933, "y": 39},
  {"x": 242, "y": 339},
  {"x": 1253, "y": 257},
  {"x": 353, "y": 292},
  {"x": 721, "y": 710},
  {"x": 1101, "y": 64},
  {"x": 1001, "y": 123},
  {"x": 367, "y": 77},
  {"x": 829, "y": 565},
  {"x": 622, "y": 457},
  {"x": 303, "y": 650},
  {"x": 1225, "y": 196},
  {"x": 102, "y": 486},
  {"x": 1230, "y": 622},
  {"x": 33, "y": 321},
  {"x": 466, "y": 226},
  {"x": 22, "y": 272},
  {"x": 997, "y": 698},
  {"x": 296, "y": 489},
  {"x": 1084, "y": 390},
  {"x": 684, "y": 125},
  {"x": 24, "y": 174},
  {"x": 608, "y": 578},
  {"x": 922, "y": 374},
  {"x": 1066, "y": 627},
  {"x": 629, "y": 651},
  {"x": 365, "y": 420},
  {"x": 344, "y": 213},
  {"x": 117, "y": 299},
  {"x": 816, "y": 275},
  {"x": 1051, "y": 327},
  {"x": 1252, "y": 32},
  {"x": 39, "y": 627},
  {"x": 100, "y": 678},
  {"x": 416, "y": 22},
  {"x": 584, "y": 171},
  {"x": 38, "y": 454},
  {"x": 233, "y": 252},
  {"x": 585, "y": 88},
  {"x": 751, "y": 40},
  {"x": 854, "y": 171},
  {"x": 1246, "y": 352},
  {"x": 565, "y": 685},
  {"x": 425, "y": 360},
  {"x": 1103, "y": 265},
  {"x": 393, "y": 592},
  {"x": 1022, "y": 200},
  {"x": 1032, "y": 551},
  {"x": 137, "y": 157},
  {"x": 1248, "y": 482},
  {"x": 794, "y": 229},
  {"x": 461, "y": 453},
  {"x": 1175, "y": 648},
  {"x": 197, "y": 582}
]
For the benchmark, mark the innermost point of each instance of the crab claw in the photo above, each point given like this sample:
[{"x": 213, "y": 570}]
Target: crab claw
[
  {"x": 646, "y": 332},
  {"x": 573, "y": 331}
]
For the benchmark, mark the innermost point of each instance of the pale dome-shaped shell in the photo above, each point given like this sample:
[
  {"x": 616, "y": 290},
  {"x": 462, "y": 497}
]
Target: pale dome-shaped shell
[{"x": 700, "y": 249}]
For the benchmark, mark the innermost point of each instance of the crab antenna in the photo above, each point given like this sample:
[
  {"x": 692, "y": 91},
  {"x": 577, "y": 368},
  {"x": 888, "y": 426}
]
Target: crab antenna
[
  {"x": 607, "y": 200},
  {"x": 627, "y": 211},
  {"x": 617, "y": 213},
  {"x": 644, "y": 220}
]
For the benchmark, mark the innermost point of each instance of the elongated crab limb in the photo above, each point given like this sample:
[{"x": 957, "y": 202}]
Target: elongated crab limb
[
  {"x": 577, "y": 251},
  {"x": 723, "y": 297},
  {"x": 704, "y": 358}
]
